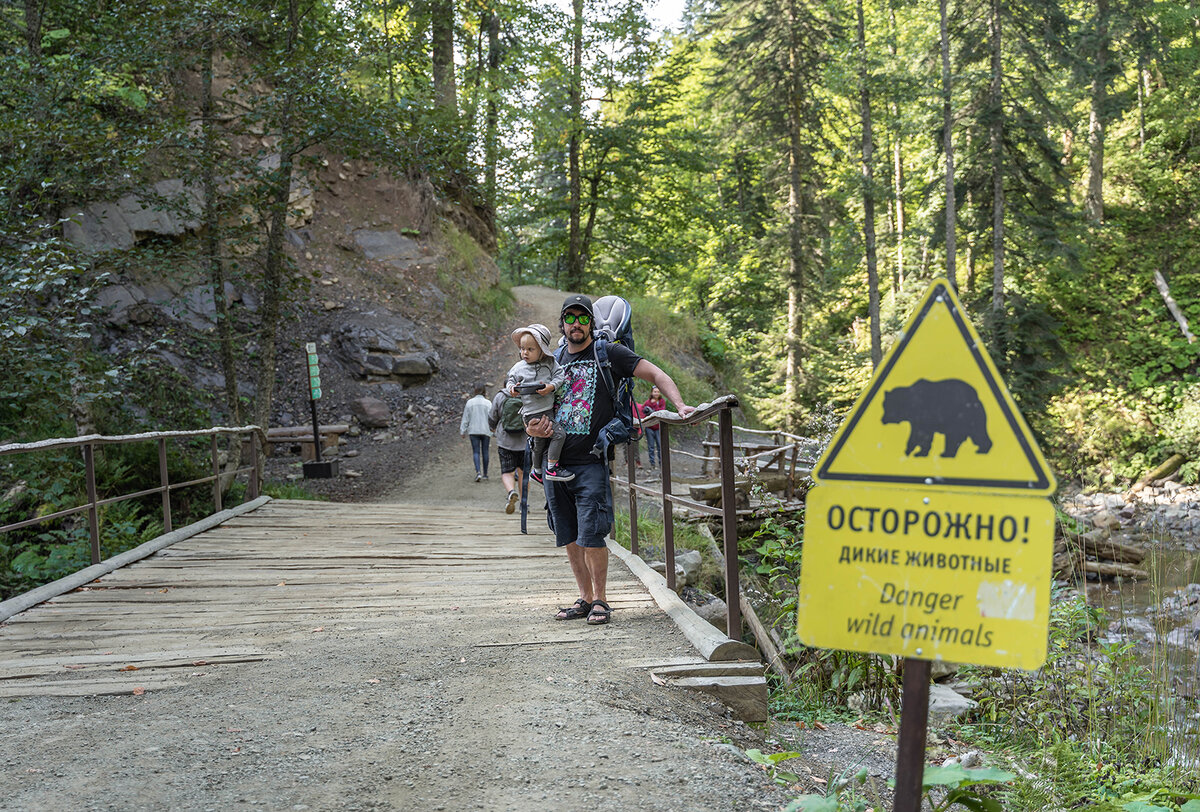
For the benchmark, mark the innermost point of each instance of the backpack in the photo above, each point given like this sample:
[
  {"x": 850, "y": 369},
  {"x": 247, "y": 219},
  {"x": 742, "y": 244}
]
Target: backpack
[
  {"x": 510, "y": 415},
  {"x": 612, "y": 323}
]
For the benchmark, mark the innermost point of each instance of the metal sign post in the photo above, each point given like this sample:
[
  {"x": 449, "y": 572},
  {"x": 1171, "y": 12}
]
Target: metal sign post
[{"x": 317, "y": 468}]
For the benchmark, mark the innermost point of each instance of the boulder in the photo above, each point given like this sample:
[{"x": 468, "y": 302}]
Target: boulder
[
  {"x": 371, "y": 412},
  {"x": 387, "y": 245},
  {"x": 946, "y": 704},
  {"x": 122, "y": 304},
  {"x": 384, "y": 345},
  {"x": 688, "y": 562}
]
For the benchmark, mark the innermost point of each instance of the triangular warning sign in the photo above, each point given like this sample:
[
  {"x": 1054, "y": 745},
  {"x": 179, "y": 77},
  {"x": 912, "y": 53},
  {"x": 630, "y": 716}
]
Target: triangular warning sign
[{"x": 936, "y": 413}]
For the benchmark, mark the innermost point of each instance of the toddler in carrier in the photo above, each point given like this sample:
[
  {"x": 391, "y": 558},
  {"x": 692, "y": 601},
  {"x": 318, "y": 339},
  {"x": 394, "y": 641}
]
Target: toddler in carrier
[{"x": 535, "y": 379}]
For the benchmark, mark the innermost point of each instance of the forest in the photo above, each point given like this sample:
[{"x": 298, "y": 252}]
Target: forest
[
  {"x": 792, "y": 174},
  {"x": 788, "y": 175}
]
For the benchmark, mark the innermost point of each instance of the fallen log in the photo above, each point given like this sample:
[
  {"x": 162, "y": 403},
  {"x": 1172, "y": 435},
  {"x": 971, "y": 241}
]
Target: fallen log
[
  {"x": 1165, "y": 470},
  {"x": 710, "y": 493},
  {"x": 1109, "y": 549},
  {"x": 1106, "y": 569}
]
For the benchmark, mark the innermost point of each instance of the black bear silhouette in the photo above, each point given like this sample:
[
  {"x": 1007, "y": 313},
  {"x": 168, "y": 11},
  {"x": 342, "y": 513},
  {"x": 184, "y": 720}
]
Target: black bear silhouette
[{"x": 950, "y": 408}]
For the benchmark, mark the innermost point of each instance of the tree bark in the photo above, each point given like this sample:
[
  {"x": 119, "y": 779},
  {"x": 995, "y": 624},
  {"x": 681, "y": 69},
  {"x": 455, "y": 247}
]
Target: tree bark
[
  {"x": 273, "y": 272},
  {"x": 34, "y": 10},
  {"x": 442, "y": 41},
  {"x": 212, "y": 235},
  {"x": 996, "y": 130},
  {"x": 387, "y": 49},
  {"x": 491, "y": 127},
  {"x": 793, "y": 371},
  {"x": 948, "y": 147},
  {"x": 1094, "y": 200},
  {"x": 1164, "y": 290},
  {"x": 868, "y": 170},
  {"x": 897, "y": 170},
  {"x": 575, "y": 259}
]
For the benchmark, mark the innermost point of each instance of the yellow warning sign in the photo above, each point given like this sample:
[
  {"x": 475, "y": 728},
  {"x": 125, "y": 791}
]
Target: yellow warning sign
[
  {"x": 936, "y": 575},
  {"x": 936, "y": 413}
]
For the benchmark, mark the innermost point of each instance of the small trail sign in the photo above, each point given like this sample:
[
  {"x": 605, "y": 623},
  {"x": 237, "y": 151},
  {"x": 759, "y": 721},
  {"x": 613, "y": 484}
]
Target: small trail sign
[
  {"x": 314, "y": 371},
  {"x": 937, "y": 414}
]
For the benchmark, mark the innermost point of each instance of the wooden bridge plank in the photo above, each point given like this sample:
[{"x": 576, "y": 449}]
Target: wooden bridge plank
[{"x": 264, "y": 583}]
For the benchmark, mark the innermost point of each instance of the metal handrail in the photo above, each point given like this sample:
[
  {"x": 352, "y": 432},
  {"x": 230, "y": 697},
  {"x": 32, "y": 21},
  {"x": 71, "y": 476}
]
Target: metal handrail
[
  {"x": 88, "y": 443},
  {"x": 722, "y": 407}
]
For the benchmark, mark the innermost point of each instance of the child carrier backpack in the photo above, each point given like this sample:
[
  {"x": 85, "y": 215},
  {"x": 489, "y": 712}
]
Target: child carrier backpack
[
  {"x": 612, "y": 323},
  {"x": 510, "y": 415}
]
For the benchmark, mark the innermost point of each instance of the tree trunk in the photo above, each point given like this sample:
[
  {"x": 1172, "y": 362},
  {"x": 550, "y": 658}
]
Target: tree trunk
[
  {"x": 491, "y": 138},
  {"x": 897, "y": 171},
  {"x": 33, "y": 29},
  {"x": 996, "y": 128},
  {"x": 948, "y": 148},
  {"x": 575, "y": 259},
  {"x": 793, "y": 372},
  {"x": 1094, "y": 201},
  {"x": 387, "y": 49},
  {"x": 442, "y": 36},
  {"x": 868, "y": 170},
  {"x": 212, "y": 236},
  {"x": 273, "y": 271}
]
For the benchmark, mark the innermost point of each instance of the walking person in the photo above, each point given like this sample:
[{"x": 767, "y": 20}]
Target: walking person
[
  {"x": 510, "y": 448},
  {"x": 580, "y": 510},
  {"x": 654, "y": 403},
  {"x": 475, "y": 425}
]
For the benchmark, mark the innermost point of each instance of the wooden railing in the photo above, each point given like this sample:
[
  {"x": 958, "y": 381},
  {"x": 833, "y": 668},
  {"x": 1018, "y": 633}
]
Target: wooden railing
[
  {"x": 88, "y": 444},
  {"x": 722, "y": 407}
]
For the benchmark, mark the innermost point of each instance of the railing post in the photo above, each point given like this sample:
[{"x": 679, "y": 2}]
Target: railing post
[
  {"x": 89, "y": 464},
  {"x": 216, "y": 469},
  {"x": 729, "y": 511},
  {"x": 164, "y": 483},
  {"x": 630, "y": 460},
  {"x": 254, "y": 483},
  {"x": 668, "y": 509}
]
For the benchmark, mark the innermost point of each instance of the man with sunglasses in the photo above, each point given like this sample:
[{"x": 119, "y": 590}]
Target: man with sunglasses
[{"x": 581, "y": 512}]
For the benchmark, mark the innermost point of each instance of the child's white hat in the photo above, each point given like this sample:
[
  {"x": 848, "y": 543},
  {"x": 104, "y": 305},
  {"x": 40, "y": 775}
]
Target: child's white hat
[{"x": 540, "y": 334}]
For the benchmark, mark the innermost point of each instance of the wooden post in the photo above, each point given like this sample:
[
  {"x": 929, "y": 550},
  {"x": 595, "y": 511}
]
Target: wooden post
[
  {"x": 164, "y": 483},
  {"x": 216, "y": 469},
  {"x": 914, "y": 719},
  {"x": 631, "y": 472},
  {"x": 668, "y": 509},
  {"x": 89, "y": 464},
  {"x": 729, "y": 513},
  {"x": 256, "y": 471}
]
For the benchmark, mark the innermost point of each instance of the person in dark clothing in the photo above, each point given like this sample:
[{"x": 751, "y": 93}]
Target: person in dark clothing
[{"x": 581, "y": 509}]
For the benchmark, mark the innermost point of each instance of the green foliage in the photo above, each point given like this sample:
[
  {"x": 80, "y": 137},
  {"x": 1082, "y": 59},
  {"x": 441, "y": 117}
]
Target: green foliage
[
  {"x": 771, "y": 763},
  {"x": 943, "y": 788}
]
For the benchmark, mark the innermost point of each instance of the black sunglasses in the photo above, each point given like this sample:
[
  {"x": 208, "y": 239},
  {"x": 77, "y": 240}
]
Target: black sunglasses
[{"x": 582, "y": 318}]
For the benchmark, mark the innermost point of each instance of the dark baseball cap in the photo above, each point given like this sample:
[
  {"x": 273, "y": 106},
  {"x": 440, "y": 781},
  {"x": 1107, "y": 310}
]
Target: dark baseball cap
[{"x": 577, "y": 300}]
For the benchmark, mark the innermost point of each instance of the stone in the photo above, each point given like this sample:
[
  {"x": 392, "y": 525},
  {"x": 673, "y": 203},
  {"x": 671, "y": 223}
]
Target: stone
[
  {"x": 371, "y": 412},
  {"x": 1105, "y": 521},
  {"x": 688, "y": 562},
  {"x": 121, "y": 303},
  {"x": 714, "y": 611},
  {"x": 946, "y": 704},
  {"x": 414, "y": 364},
  {"x": 386, "y": 245},
  {"x": 378, "y": 363},
  {"x": 383, "y": 332}
]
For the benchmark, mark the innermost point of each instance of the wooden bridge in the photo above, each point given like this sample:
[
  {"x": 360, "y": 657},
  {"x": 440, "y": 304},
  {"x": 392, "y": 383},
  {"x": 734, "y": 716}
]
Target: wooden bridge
[{"x": 316, "y": 655}]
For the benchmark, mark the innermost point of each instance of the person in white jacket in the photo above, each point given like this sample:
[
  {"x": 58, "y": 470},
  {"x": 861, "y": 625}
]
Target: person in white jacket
[{"x": 475, "y": 425}]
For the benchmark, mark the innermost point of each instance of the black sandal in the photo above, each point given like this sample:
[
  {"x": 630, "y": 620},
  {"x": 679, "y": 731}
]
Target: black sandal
[
  {"x": 579, "y": 609},
  {"x": 601, "y": 613}
]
